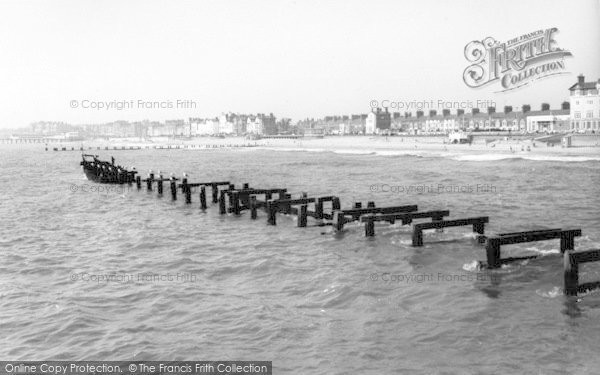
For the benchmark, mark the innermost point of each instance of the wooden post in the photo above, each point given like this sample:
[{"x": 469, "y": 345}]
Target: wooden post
[
  {"x": 272, "y": 212},
  {"x": 319, "y": 209},
  {"x": 159, "y": 184},
  {"x": 245, "y": 197},
  {"x": 268, "y": 196},
  {"x": 138, "y": 182},
  {"x": 149, "y": 181},
  {"x": 203, "y": 197},
  {"x": 338, "y": 220},
  {"x": 567, "y": 241},
  {"x": 215, "y": 193},
  {"x": 287, "y": 207},
  {"x": 236, "y": 202},
  {"x": 370, "y": 226},
  {"x": 417, "y": 237},
  {"x": 302, "y": 215},
  {"x": 253, "y": 207},
  {"x": 231, "y": 188},
  {"x": 358, "y": 206},
  {"x": 437, "y": 218},
  {"x": 173, "y": 188},
  {"x": 335, "y": 204},
  {"x": 479, "y": 228},
  {"x": 370, "y": 204},
  {"x": 222, "y": 206},
  {"x": 492, "y": 249},
  {"x": 186, "y": 189},
  {"x": 571, "y": 274},
  {"x": 281, "y": 194}
]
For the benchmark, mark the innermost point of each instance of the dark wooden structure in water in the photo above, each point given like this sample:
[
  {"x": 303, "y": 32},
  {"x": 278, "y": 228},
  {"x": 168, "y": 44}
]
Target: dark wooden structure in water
[{"x": 327, "y": 211}]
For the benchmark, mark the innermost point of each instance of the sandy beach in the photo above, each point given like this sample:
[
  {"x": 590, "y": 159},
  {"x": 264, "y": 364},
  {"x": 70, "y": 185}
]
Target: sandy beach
[{"x": 439, "y": 146}]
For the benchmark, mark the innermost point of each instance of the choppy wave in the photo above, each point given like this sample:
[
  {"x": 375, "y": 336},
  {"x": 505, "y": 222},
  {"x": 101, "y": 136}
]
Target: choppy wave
[
  {"x": 474, "y": 157},
  {"x": 493, "y": 157}
]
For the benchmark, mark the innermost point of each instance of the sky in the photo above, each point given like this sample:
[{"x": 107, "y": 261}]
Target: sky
[{"x": 296, "y": 59}]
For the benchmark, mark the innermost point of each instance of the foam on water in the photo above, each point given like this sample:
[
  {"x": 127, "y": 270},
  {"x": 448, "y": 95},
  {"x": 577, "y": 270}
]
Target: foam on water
[
  {"x": 552, "y": 293},
  {"x": 457, "y": 155},
  {"x": 496, "y": 156},
  {"x": 473, "y": 266}
]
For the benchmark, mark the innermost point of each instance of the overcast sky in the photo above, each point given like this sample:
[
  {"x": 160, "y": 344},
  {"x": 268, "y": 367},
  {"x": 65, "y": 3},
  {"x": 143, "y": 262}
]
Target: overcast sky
[{"x": 293, "y": 58}]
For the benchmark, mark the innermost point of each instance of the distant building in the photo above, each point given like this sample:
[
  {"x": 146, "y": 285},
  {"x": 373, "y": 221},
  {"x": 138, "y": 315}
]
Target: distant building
[
  {"x": 269, "y": 123},
  {"x": 585, "y": 105},
  {"x": 547, "y": 120},
  {"x": 378, "y": 121},
  {"x": 203, "y": 127},
  {"x": 460, "y": 121},
  {"x": 226, "y": 124},
  {"x": 254, "y": 125}
]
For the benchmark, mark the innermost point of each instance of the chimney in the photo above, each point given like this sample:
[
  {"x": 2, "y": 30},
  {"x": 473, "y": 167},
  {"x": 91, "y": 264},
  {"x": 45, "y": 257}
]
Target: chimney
[
  {"x": 491, "y": 110},
  {"x": 446, "y": 112},
  {"x": 407, "y": 114},
  {"x": 386, "y": 109},
  {"x": 432, "y": 113},
  {"x": 545, "y": 107},
  {"x": 580, "y": 80},
  {"x": 460, "y": 112},
  {"x": 507, "y": 109},
  {"x": 566, "y": 105},
  {"x": 419, "y": 114},
  {"x": 526, "y": 108},
  {"x": 475, "y": 111},
  {"x": 378, "y": 110}
]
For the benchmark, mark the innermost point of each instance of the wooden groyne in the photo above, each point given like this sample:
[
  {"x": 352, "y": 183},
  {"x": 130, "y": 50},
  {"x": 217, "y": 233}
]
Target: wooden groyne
[
  {"x": 327, "y": 211},
  {"x": 154, "y": 147}
]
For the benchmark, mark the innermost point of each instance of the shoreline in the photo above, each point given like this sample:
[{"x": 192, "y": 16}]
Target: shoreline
[
  {"x": 395, "y": 145},
  {"x": 433, "y": 145}
]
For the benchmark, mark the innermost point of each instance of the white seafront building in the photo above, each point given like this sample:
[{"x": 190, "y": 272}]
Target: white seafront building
[
  {"x": 254, "y": 125},
  {"x": 201, "y": 127},
  {"x": 585, "y": 105}
]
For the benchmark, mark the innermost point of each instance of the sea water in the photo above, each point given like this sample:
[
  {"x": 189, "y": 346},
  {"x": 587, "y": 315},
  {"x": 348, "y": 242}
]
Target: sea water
[{"x": 92, "y": 271}]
